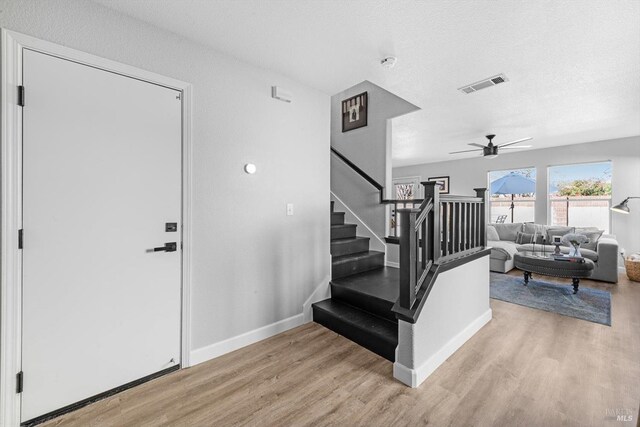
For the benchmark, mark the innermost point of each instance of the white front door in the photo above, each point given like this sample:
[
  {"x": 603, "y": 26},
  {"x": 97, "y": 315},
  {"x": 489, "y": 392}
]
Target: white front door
[{"x": 101, "y": 178}]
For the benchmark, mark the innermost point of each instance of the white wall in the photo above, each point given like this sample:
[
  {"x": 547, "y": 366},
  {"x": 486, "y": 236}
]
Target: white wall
[
  {"x": 454, "y": 311},
  {"x": 369, "y": 148},
  {"x": 624, "y": 153},
  {"x": 252, "y": 265}
]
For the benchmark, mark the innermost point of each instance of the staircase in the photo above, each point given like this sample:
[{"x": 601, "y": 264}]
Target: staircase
[{"x": 363, "y": 291}]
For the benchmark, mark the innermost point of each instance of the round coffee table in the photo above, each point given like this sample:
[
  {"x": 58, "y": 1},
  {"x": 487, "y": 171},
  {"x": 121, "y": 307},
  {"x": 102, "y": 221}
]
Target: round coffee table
[{"x": 535, "y": 262}]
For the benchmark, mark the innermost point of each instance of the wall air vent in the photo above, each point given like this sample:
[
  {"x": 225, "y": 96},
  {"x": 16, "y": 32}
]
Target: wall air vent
[{"x": 482, "y": 84}]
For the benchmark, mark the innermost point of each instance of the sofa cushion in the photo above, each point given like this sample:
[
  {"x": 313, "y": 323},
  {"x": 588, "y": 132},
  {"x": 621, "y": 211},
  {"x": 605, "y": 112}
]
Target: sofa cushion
[
  {"x": 522, "y": 238},
  {"x": 502, "y": 249},
  {"x": 558, "y": 231},
  {"x": 492, "y": 234},
  {"x": 508, "y": 231}
]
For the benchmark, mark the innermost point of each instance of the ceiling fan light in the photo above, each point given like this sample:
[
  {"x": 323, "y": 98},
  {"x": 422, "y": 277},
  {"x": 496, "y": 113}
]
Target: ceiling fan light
[{"x": 490, "y": 151}]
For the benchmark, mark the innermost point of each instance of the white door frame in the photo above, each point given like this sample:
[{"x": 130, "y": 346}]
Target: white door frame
[{"x": 12, "y": 45}]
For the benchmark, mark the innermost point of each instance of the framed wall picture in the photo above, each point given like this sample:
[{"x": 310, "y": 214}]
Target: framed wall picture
[
  {"x": 354, "y": 112},
  {"x": 443, "y": 183}
]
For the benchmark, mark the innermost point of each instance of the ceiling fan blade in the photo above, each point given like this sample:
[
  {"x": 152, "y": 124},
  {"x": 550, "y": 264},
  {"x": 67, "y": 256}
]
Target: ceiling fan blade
[
  {"x": 476, "y": 144},
  {"x": 514, "y": 142},
  {"x": 463, "y": 151},
  {"x": 515, "y": 148}
]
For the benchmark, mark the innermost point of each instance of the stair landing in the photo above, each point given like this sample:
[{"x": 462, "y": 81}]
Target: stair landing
[
  {"x": 382, "y": 283},
  {"x": 360, "y": 309}
]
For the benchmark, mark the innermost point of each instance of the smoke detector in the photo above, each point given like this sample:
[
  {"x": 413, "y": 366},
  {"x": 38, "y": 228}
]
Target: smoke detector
[
  {"x": 389, "y": 61},
  {"x": 483, "y": 84}
]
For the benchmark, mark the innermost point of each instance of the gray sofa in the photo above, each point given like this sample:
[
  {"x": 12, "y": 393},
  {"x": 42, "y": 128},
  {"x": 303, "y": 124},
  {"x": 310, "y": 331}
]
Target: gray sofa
[{"x": 502, "y": 238}]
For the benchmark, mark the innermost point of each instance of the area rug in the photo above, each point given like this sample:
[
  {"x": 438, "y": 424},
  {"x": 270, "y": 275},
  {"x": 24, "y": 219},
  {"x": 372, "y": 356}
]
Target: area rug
[{"x": 588, "y": 304}]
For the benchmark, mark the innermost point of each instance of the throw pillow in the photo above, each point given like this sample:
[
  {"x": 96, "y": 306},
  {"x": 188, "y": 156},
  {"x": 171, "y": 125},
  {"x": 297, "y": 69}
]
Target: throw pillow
[
  {"x": 539, "y": 231},
  {"x": 558, "y": 231},
  {"x": 508, "y": 231},
  {"x": 533, "y": 228},
  {"x": 592, "y": 235},
  {"x": 524, "y": 238},
  {"x": 492, "y": 234},
  {"x": 539, "y": 238}
]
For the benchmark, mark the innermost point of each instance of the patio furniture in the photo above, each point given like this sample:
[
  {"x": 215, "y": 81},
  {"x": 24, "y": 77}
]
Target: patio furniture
[{"x": 513, "y": 184}]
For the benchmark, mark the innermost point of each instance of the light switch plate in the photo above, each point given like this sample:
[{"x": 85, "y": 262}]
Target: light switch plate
[{"x": 289, "y": 209}]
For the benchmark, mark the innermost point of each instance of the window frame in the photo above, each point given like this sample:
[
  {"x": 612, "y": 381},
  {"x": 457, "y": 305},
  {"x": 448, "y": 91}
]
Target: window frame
[
  {"x": 415, "y": 180},
  {"x": 548, "y": 200}
]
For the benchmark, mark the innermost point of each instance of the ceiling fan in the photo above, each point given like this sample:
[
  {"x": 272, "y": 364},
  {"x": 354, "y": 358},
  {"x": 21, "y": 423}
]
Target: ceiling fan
[{"x": 490, "y": 150}]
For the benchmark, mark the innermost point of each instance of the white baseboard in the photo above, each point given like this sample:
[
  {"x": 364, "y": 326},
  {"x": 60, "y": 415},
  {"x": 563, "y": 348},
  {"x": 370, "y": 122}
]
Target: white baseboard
[
  {"x": 321, "y": 292},
  {"x": 415, "y": 377},
  {"x": 223, "y": 347},
  {"x": 392, "y": 264},
  {"x": 405, "y": 375}
]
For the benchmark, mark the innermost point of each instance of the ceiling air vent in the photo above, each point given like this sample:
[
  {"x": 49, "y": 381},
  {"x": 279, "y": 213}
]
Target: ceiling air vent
[{"x": 491, "y": 81}]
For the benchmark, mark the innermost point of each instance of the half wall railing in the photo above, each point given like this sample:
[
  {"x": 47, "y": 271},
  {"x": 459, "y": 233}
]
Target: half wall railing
[{"x": 444, "y": 231}]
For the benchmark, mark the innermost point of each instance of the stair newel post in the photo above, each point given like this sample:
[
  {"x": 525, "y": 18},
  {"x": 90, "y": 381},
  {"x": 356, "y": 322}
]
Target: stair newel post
[
  {"x": 407, "y": 257},
  {"x": 482, "y": 194},
  {"x": 431, "y": 191}
]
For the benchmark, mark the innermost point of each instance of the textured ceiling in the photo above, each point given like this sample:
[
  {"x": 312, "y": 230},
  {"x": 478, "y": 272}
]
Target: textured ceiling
[{"x": 573, "y": 65}]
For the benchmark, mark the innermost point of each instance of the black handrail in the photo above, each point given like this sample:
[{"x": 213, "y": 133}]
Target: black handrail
[{"x": 360, "y": 172}]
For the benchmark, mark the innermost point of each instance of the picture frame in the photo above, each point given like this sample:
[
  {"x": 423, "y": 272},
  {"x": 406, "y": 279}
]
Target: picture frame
[
  {"x": 354, "y": 112},
  {"x": 442, "y": 182}
]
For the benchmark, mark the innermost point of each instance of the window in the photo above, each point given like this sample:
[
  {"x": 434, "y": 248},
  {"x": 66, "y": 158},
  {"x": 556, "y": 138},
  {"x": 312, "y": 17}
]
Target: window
[
  {"x": 580, "y": 195},
  {"x": 408, "y": 188},
  {"x": 512, "y": 195}
]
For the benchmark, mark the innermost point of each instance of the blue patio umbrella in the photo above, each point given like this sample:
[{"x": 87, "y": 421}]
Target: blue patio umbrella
[{"x": 513, "y": 184}]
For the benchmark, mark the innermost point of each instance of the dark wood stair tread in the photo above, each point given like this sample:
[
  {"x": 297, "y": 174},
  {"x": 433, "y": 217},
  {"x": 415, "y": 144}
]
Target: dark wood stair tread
[
  {"x": 358, "y": 309},
  {"x": 383, "y": 283},
  {"x": 355, "y": 257},
  {"x": 372, "y": 332},
  {"x": 336, "y": 226},
  {"x": 347, "y": 265},
  {"x": 337, "y": 218},
  {"x": 341, "y": 231},
  {"x": 349, "y": 245},
  {"x": 348, "y": 240}
]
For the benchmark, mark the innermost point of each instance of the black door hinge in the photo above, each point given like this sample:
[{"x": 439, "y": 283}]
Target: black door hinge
[
  {"x": 19, "y": 382},
  {"x": 21, "y": 96},
  {"x": 20, "y": 234}
]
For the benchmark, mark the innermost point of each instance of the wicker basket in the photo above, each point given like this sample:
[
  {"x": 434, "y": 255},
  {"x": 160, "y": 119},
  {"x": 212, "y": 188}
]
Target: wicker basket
[{"x": 633, "y": 269}]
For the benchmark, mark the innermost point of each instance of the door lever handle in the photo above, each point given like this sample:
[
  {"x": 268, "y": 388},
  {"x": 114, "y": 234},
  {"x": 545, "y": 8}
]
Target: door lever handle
[{"x": 168, "y": 247}]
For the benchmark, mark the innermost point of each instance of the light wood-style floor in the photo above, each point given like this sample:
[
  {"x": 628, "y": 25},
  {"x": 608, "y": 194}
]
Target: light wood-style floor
[{"x": 526, "y": 367}]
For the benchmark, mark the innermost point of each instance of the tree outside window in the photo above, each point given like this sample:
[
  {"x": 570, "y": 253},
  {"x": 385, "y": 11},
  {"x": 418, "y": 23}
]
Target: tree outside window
[{"x": 580, "y": 195}]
